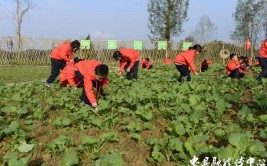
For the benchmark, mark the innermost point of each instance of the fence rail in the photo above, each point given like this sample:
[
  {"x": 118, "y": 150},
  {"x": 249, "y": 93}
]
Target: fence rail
[{"x": 35, "y": 51}]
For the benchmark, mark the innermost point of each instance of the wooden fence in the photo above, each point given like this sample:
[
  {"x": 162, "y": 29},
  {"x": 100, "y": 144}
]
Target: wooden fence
[{"x": 35, "y": 51}]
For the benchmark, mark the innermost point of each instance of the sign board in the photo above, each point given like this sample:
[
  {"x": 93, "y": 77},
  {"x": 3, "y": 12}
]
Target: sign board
[
  {"x": 138, "y": 45},
  {"x": 85, "y": 44},
  {"x": 112, "y": 44},
  {"x": 162, "y": 45},
  {"x": 186, "y": 45}
]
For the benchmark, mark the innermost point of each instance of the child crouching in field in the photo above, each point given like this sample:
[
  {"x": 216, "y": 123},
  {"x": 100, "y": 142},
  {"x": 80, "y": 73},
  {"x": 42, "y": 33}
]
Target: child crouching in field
[
  {"x": 233, "y": 68},
  {"x": 68, "y": 77},
  {"x": 168, "y": 61},
  {"x": 204, "y": 65},
  {"x": 94, "y": 75},
  {"x": 61, "y": 56},
  {"x": 185, "y": 60},
  {"x": 146, "y": 64}
]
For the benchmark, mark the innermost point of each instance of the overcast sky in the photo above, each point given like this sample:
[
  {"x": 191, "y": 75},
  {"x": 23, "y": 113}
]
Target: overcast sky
[{"x": 107, "y": 19}]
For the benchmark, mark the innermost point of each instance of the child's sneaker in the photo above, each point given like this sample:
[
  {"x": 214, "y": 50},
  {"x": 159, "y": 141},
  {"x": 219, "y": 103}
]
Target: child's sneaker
[{"x": 47, "y": 84}]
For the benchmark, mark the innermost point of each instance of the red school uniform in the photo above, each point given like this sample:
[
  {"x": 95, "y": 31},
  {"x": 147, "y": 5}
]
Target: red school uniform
[
  {"x": 186, "y": 58},
  {"x": 67, "y": 76},
  {"x": 128, "y": 56},
  {"x": 232, "y": 65},
  {"x": 168, "y": 61},
  {"x": 62, "y": 52},
  {"x": 87, "y": 69},
  {"x": 146, "y": 63}
]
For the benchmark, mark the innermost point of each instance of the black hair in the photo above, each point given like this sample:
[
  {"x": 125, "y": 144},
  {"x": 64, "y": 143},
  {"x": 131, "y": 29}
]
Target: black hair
[
  {"x": 245, "y": 60},
  {"x": 76, "y": 60},
  {"x": 232, "y": 55},
  {"x": 101, "y": 70},
  {"x": 147, "y": 59},
  {"x": 204, "y": 65},
  {"x": 75, "y": 44},
  {"x": 197, "y": 48},
  {"x": 117, "y": 55}
]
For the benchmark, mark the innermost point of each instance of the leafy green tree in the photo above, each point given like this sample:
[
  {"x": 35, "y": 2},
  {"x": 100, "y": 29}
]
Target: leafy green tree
[
  {"x": 166, "y": 18},
  {"x": 206, "y": 31},
  {"x": 189, "y": 38},
  {"x": 249, "y": 20}
]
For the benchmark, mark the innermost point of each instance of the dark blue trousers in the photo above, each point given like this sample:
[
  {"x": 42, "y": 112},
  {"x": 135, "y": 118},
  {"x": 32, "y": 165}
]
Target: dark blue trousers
[{"x": 56, "y": 65}]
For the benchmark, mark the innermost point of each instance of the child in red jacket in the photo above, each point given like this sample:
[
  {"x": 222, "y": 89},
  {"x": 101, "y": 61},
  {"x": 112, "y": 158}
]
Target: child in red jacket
[
  {"x": 94, "y": 74},
  {"x": 146, "y": 64},
  {"x": 61, "y": 56},
  {"x": 168, "y": 61},
  {"x": 204, "y": 65},
  {"x": 129, "y": 61},
  {"x": 68, "y": 77},
  {"x": 233, "y": 69},
  {"x": 185, "y": 60}
]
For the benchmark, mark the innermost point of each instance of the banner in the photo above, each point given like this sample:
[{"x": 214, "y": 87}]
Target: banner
[
  {"x": 162, "y": 45},
  {"x": 112, "y": 44},
  {"x": 186, "y": 45},
  {"x": 85, "y": 44},
  {"x": 138, "y": 45}
]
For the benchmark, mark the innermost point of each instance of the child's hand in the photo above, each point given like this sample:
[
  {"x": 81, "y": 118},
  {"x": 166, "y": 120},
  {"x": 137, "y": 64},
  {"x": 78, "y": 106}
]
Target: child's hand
[
  {"x": 96, "y": 110},
  {"x": 196, "y": 73},
  {"x": 120, "y": 73},
  {"x": 128, "y": 69}
]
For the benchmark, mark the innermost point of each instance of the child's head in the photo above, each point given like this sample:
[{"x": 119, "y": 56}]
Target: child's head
[
  {"x": 117, "y": 55},
  {"x": 75, "y": 45},
  {"x": 197, "y": 48},
  {"x": 101, "y": 72},
  {"x": 76, "y": 60},
  {"x": 147, "y": 59},
  {"x": 233, "y": 56}
]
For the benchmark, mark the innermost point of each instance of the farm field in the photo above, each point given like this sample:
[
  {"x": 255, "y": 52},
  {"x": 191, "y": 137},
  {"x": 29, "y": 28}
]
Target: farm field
[
  {"x": 10, "y": 74},
  {"x": 152, "y": 121}
]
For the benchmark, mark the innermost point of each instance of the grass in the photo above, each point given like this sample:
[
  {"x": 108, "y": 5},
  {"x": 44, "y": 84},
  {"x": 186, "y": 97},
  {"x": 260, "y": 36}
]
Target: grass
[{"x": 23, "y": 73}]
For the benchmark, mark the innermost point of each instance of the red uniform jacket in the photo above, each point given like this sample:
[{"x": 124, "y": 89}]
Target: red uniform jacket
[
  {"x": 263, "y": 49},
  {"x": 87, "y": 69},
  {"x": 147, "y": 63},
  {"x": 186, "y": 58},
  {"x": 167, "y": 61},
  {"x": 232, "y": 65},
  {"x": 68, "y": 75},
  {"x": 129, "y": 55},
  {"x": 62, "y": 52}
]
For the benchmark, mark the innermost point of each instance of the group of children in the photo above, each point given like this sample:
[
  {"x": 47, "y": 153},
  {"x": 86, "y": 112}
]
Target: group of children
[{"x": 92, "y": 75}]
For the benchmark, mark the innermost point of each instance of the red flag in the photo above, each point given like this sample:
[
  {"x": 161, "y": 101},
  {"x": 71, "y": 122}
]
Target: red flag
[{"x": 247, "y": 44}]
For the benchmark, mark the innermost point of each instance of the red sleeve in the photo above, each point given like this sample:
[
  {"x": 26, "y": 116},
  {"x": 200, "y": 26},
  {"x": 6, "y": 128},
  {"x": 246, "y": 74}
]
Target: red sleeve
[
  {"x": 70, "y": 76},
  {"x": 147, "y": 65},
  {"x": 88, "y": 86},
  {"x": 65, "y": 53},
  {"x": 232, "y": 65},
  {"x": 190, "y": 62},
  {"x": 132, "y": 59},
  {"x": 104, "y": 82},
  {"x": 122, "y": 65}
]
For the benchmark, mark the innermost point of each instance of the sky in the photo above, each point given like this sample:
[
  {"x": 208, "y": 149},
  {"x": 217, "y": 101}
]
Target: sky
[{"x": 107, "y": 19}]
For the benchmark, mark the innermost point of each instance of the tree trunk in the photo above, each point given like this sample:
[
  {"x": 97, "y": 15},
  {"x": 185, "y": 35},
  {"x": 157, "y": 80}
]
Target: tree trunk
[{"x": 18, "y": 25}]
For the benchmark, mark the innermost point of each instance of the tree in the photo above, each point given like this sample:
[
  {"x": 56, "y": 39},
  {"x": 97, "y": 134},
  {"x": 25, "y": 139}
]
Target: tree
[
  {"x": 205, "y": 31},
  {"x": 166, "y": 18},
  {"x": 249, "y": 20},
  {"x": 189, "y": 38},
  {"x": 23, "y": 7},
  {"x": 265, "y": 20}
]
